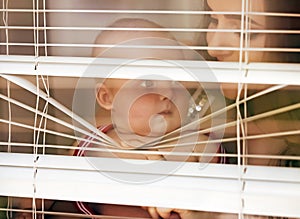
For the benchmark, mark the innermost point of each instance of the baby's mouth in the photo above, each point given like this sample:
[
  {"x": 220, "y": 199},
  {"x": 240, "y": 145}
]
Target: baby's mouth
[{"x": 165, "y": 112}]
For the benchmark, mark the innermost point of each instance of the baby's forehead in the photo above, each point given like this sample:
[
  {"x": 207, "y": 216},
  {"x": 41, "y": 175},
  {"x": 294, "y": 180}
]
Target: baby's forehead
[
  {"x": 148, "y": 83},
  {"x": 153, "y": 44},
  {"x": 143, "y": 47}
]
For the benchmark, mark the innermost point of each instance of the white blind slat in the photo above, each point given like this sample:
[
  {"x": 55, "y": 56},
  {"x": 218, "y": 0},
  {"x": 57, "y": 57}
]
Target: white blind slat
[
  {"x": 267, "y": 73},
  {"x": 59, "y": 176}
]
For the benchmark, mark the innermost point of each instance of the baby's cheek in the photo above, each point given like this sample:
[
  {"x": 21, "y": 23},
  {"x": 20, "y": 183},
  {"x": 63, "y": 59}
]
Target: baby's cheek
[
  {"x": 182, "y": 102},
  {"x": 139, "y": 125}
]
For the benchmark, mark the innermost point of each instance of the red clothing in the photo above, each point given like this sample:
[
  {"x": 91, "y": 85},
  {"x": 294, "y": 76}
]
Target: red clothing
[{"x": 83, "y": 207}]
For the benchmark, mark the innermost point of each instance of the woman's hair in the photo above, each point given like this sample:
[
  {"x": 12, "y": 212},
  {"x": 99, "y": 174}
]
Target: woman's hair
[
  {"x": 284, "y": 40},
  {"x": 292, "y": 149},
  {"x": 286, "y": 22}
]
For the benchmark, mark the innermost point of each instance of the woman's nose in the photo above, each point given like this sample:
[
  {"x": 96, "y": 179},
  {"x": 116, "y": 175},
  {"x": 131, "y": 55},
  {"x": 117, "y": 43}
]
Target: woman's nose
[{"x": 218, "y": 39}]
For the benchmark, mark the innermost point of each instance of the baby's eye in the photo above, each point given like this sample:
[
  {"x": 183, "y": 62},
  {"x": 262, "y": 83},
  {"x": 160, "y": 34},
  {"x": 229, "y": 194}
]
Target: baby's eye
[{"x": 147, "y": 84}]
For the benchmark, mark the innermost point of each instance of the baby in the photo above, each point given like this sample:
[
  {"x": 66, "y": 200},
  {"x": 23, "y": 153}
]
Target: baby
[
  {"x": 142, "y": 110},
  {"x": 147, "y": 109}
]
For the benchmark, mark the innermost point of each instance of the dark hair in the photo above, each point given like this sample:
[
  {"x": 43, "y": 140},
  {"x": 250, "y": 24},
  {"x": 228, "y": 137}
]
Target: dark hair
[{"x": 286, "y": 22}]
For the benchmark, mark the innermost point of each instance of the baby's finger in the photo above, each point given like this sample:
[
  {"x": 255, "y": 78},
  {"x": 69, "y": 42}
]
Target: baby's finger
[
  {"x": 153, "y": 213},
  {"x": 164, "y": 212},
  {"x": 155, "y": 157},
  {"x": 174, "y": 215},
  {"x": 23, "y": 216}
]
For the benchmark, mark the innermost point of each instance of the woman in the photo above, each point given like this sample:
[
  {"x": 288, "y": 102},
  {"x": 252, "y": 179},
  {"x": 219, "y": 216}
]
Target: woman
[{"x": 274, "y": 100}]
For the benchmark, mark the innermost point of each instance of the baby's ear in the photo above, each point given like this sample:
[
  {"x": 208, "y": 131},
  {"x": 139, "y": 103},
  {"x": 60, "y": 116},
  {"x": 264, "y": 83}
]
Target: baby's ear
[{"x": 104, "y": 96}]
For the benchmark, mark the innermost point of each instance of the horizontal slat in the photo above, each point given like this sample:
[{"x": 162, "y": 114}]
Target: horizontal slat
[
  {"x": 260, "y": 73},
  {"x": 121, "y": 11},
  {"x": 212, "y": 187},
  {"x": 91, "y": 45},
  {"x": 165, "y": 29}
]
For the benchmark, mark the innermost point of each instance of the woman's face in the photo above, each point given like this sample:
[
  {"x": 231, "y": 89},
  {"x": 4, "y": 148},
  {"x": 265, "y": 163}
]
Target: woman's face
[
  {"x": 233, "y": 22},
  {"x": 232, "y": 39}
]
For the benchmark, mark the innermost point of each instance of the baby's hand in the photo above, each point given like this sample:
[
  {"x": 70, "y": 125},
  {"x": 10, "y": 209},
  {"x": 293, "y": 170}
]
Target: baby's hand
[
  {"x": 165, "y": 213},
  {"x": 171, "y": 213},
  {"x": 23, "y": 215}
]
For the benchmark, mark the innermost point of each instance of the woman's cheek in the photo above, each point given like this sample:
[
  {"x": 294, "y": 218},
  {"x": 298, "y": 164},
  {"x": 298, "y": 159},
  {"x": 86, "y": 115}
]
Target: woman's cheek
[
  {"x": 229, "y": 90},
  {"x": 258, "y": 41}
]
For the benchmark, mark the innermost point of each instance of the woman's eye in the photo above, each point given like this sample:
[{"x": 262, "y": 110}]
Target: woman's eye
[
  {"x": 147, "y": 84},
  {"x": 213, "y": 21},
  {"x": 254, "y": 35}
]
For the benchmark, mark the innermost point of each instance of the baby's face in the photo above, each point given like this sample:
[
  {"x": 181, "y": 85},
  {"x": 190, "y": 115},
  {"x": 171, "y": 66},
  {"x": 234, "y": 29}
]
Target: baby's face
[{"x": 153, "y": 107}]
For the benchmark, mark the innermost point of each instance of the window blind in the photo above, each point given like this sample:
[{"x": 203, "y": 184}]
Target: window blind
[{"x": 46, "y": 56}]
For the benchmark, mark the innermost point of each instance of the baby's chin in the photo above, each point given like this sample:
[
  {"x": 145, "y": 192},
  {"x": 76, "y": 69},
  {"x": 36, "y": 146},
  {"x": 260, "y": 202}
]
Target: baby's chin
[{"x": 156, "y": 132}]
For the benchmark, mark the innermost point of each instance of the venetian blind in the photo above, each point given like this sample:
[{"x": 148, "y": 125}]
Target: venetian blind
[{"x": 47, "y": 63}]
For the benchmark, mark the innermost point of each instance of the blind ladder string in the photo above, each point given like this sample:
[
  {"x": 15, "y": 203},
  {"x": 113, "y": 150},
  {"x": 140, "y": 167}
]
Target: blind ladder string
[
  {"x": 239, "y": 124},
  {"x": 45, "y": 28},
  {"x": 5, "y": 22},
  {"x": 35, "y": 15},
  {"x": 247, "y": 45},
  {"x": 43, "y": 121},
  {"x": 36, "y": 131},
  {"x": 45, "y": 81},
  {"x": 244, "y": 126},
  {"x": 9, "y": 199},
  {"x": 45, "y": 112}
]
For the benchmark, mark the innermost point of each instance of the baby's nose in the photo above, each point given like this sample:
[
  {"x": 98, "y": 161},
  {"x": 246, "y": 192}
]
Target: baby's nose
[{"x": 166, "y": 90}]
